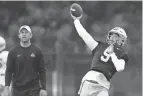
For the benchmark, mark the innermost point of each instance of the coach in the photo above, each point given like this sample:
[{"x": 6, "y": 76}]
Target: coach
[{"x": 25, "y": 67}]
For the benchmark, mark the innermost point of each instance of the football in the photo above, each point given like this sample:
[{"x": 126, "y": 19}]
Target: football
[{"x": 76, "y": 10}]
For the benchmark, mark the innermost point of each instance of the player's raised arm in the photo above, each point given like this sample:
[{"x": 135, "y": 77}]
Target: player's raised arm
[
  {"x": 87, "y": 38},
  {"x": 76, "y": 14}
]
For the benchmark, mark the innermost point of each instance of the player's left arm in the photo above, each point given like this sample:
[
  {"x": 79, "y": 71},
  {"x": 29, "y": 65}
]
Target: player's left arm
[
  {"x": 119, "y": 63},
  {"x": 42, "y": 71}
]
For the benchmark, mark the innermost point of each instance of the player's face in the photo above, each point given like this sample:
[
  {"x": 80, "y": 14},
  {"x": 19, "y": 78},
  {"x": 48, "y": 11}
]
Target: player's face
[
  {"x": 116, "y": 39},
  {"x": 113, "y": 38},
  {"x": 25, "y": 35},
  {"x": 121, "y": 40}
]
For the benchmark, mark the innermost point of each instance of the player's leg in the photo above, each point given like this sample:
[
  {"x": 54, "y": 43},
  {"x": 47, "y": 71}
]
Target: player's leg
[
  {"x": 1, "y": 89},
  {"x": 103, "y": 93},
  {"x": 10, "y": 89},
  {"x": 97, "y": 90},
  {"x": 83, "y": 91},
  {"x": 2, "y": 82},
  {"x": 90, "y": 88},
  {"x": 93, "y": 89}
]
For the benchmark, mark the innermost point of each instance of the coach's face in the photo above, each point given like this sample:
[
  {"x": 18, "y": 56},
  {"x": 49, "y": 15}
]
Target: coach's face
[{"x": 25, "y": 35}]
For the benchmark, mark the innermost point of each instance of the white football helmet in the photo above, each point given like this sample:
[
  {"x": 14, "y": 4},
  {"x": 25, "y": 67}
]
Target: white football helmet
[
  {"x": 2, "y": 43},
  {"x": 121, "y": 33}
]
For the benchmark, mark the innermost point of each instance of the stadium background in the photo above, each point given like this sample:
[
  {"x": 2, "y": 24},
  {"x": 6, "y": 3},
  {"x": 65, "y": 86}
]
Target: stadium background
[{"x": 67, "y": 58}]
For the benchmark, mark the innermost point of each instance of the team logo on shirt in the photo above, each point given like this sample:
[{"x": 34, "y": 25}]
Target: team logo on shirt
[
  {"x": 33, "y": 55},
  {"x": 118, "y": 49}
]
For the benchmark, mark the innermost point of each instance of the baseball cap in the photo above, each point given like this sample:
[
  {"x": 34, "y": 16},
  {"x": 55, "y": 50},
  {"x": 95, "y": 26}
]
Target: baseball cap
[{"x": 25, "y": 27}]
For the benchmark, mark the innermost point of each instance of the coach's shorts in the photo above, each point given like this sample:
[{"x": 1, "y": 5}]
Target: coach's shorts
[
  {"x": 94, "y": 84},
  {"x": 27, "y": 91}
]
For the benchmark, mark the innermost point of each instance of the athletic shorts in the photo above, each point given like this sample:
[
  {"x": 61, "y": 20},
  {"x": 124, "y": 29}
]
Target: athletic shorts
[
  {"x": 93, "y": 84},
  {"x": 33, "y": 90}
]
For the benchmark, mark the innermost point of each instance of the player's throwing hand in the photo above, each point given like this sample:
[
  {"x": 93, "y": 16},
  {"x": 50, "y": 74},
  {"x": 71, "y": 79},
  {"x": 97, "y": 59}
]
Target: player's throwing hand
[{"x": 76, "y": 11}]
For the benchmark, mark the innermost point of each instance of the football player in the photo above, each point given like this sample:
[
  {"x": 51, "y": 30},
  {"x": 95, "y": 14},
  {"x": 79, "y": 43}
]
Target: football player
[
  {"x": 3, "y": 60},
  {"x": 108, "y": 58}
]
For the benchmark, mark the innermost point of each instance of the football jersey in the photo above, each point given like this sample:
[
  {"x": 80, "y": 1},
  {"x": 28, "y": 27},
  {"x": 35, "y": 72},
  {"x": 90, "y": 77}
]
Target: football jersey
[
  {"x": 103, "y": 63},
  {"x": 3, "y": 60}
]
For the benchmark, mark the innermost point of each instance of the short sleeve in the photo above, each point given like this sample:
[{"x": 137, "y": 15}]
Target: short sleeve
[
  {"x": 96, "y": 48},
  {"x": 125, "y": 57}
]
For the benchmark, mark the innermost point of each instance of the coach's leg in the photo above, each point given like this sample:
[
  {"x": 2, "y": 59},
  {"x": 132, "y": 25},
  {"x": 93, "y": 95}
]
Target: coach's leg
[
  {"x": 15, "y": 92},
  {"x": 34, "y": 90}
]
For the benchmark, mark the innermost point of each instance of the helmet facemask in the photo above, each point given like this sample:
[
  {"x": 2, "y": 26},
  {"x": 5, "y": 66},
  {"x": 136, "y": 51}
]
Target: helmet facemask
[{"x": 116, "y": 39}]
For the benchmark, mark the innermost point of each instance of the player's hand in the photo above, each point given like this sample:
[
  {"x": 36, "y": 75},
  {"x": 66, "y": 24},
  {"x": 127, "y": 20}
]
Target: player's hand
[
  {"x": 76, "y": 11},
  {"x": 43, "y": 92},
  {"x": 1, "y": 88},
  {"x": 74, "y": 18},
  {"x": 110, "y": 49}
]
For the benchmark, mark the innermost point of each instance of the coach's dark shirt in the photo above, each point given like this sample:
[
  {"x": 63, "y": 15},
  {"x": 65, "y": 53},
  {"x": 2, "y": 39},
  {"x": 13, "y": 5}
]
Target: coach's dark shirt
[{"x": 25, "y": 66}]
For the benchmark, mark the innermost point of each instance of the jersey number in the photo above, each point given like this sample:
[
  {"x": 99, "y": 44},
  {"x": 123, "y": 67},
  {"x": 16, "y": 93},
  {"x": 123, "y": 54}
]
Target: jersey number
[{"x": 105, "y": 57}]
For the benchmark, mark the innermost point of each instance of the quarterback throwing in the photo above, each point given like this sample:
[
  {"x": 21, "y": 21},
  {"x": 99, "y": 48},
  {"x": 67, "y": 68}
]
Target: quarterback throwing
[{"x": 107, "y": 58}]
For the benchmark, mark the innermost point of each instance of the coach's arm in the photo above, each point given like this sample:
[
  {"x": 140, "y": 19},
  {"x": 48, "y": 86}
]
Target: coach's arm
[{"x": 42, "y": 74}]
